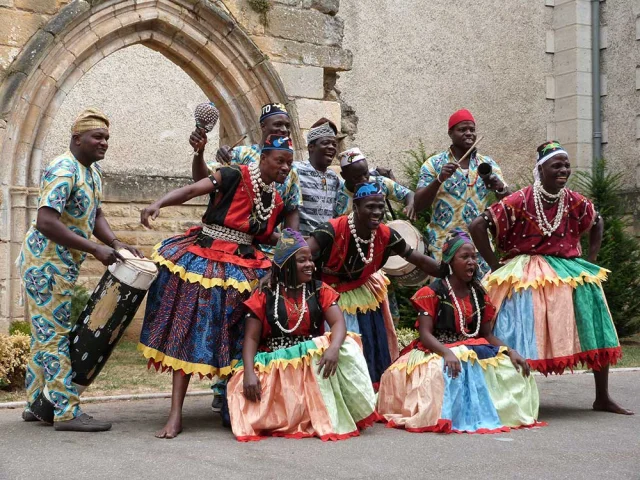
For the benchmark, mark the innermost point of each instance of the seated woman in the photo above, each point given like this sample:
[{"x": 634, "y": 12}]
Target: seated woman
[
  {"x": 487, "y": 387},
  {"x": 302, "y": 383}
]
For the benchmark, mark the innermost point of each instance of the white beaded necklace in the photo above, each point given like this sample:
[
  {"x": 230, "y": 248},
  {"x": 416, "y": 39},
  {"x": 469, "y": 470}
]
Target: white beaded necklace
[
  {"x": 263, "y": 213},
  {"x": 302, "y": 311},
  {"x": 541, "y": 219},
  {"x": 352, "y": 227},
  {"x": 460, "y": 314}
]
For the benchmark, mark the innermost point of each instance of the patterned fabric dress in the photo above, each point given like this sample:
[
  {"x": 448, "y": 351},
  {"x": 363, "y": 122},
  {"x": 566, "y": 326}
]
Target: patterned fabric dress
[
  {"x": 49, "y": 272},
  {"x": 192, "y": 322},
  {"x": 459, "y": 200},
  {"x": 362, "y": 288},
  {"x": 488, "y": 396},
  {"x": 297, "y": 402},
  {"x": 552, "y": 309}
]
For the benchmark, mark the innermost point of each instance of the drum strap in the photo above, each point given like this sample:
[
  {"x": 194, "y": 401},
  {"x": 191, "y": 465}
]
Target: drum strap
[{"x": 220, "y": 232}]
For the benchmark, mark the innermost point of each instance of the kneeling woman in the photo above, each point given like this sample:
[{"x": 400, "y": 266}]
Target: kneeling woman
[
  {"x": 302, "y": 383},
  {"x": 457, "y": 377}
]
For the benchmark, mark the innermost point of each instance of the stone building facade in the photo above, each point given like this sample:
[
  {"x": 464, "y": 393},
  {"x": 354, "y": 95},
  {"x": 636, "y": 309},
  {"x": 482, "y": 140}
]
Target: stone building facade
[{"x": 389, "y": 72}]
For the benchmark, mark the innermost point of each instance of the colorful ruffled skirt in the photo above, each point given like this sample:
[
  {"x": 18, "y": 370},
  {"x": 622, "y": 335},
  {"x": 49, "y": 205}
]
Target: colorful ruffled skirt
[
  {"x": 488, "y": 396},
  {"x": 193, "y": 321},
  {"x": 366, "y": 312},
  {"x": 554, "y": 313},
  {"x": 297, "y": 402}
]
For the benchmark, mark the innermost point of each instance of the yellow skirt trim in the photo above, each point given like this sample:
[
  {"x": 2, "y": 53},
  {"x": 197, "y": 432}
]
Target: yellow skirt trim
[
  {"x": 416, "y": 357},
  {"x": 187, "y": 367},
  {"x": 366, "y": 297},
  {"x": 197, "y": 278}
]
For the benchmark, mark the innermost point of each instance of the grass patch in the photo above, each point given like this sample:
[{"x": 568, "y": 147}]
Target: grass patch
[{"x": 124, "y": 373}]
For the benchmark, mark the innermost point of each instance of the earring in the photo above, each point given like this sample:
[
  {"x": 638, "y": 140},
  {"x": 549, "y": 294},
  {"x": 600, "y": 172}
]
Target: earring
[{"x": 450, "y": 270}]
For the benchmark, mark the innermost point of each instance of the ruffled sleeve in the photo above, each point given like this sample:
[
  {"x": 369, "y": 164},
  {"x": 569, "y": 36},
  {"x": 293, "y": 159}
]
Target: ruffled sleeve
[
  {"x": 327, "y": 296},
  {"x": 588, "y": 214},
  {"x": 502, "y": 214},
  {"x": 425, "y": 302},
  {"x": 256, "y": 306}
]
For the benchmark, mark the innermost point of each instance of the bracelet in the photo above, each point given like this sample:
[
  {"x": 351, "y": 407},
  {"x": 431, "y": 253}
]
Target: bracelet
[
  {"x": 503, "y": 190},
  {"x": 216, "y": 185},
  {"x": 113, "y": 241},
  {"x": 438, "y": 179}
]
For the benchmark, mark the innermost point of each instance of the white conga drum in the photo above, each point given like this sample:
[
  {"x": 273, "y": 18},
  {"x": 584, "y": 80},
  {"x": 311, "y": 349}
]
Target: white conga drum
[
  {"x": 108, "y": 313},
  {"x": 398, "y": 268}
]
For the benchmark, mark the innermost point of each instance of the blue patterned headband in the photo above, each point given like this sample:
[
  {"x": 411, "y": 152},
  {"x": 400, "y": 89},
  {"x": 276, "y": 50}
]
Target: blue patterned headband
[
  {"x": 288, "y": 244},
  {"x": 367, "y": 189}
]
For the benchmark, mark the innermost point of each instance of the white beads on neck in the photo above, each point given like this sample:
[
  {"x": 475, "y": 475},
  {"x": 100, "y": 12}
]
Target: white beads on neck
[
  {"x": 352, "y": 227},
  {"x": 540, "y": 194},
  {"x": 461, "y": 316},
  {"x": 263, "y": 213}
]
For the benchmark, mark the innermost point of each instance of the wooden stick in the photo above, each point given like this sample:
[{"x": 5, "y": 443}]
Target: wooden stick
[
  {"x": 238, "y": 142},
  {"x": 478, "y": 140}
]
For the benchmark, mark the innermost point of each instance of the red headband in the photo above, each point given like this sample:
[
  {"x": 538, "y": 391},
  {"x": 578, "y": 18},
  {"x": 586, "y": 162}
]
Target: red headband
[{"x": 460, "y": 116}]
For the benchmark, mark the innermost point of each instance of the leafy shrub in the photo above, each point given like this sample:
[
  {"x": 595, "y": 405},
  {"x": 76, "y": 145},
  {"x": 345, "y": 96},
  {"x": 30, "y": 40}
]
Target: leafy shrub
[
  {"x": 620, "y": 250},
  {"x": 406, "y": 336},
  {"x": 78, "y": 302},
  {"x": 14, "y": 355},
  {"x": 20, "y": 327}
]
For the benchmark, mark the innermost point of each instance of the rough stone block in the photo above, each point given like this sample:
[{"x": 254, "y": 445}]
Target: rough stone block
[
  {"x": 6, "y": 3},
  {"x": 246, "y": 16},
  {"x": 33, "y": 51},
  {"x": 575, "y": 60},
  {"x": 38, "y": 6},
  {"x": 605, "y": 132},
  {"x": 550, "y": 42},
  {"x": 550, "y": 87},
  {"x": 7, "y": 55},
  {"x": 301, "y": 81},
  {"x": 578, "y": 83},
  {"x": 309, "y": 111},
  {"x": 638, "y": 127},
  {"x": 305, "y": 26},
  {"x": 66, "y": 16},
  {"x": 574, "y": 107},
  {"x": 297, "y": 53},
  {"x": 573, "y": 36},
  {"x": 17, "y": 27},
  {"x": 126, "y": 224},
  {"x": 637, "y": 27},
  {"x": 116, "y": 210},
  {"x": 604, "y": 37},
  {"x": 330, "y": 7},
  {"x": 637, "y": 78},
  {"x": 572, "y": 13}
]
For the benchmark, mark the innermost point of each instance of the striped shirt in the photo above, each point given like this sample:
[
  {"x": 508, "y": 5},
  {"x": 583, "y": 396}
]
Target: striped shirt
[{"x": 319, "y": 196}]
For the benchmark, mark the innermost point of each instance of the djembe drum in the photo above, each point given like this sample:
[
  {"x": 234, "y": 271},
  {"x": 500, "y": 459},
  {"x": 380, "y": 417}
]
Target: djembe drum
[
  {"x": 102, "y": 323},
  {"x": 398, "y": 268}
]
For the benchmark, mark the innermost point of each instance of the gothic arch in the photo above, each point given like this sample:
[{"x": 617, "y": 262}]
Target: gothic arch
[{"x": 196, "y": 35}]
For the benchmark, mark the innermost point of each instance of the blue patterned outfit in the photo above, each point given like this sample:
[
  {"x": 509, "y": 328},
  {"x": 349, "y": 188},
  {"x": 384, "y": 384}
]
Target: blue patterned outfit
[
  {"x": 49, "y": 272},
  {"x": 392, "y": 191},
  {"x": 459, "y": 200}
]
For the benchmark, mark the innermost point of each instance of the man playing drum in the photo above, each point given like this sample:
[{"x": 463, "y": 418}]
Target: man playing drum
[
  {"x": 454, "y": 188},
  {"x": 53, "y": 250}
]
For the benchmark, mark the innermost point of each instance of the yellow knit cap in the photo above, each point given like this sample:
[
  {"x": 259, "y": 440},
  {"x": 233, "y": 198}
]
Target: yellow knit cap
[{"x": 89, "y": 119}]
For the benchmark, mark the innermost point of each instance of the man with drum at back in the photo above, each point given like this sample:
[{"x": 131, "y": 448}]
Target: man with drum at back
[
  {"x": 465, "y": 192},
  {"x": 53, "y": 250}
]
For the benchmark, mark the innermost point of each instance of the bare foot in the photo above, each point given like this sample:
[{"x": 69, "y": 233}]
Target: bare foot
[
  {"x": 172, "y": 428},
  {"x": 610, "y": 406}
]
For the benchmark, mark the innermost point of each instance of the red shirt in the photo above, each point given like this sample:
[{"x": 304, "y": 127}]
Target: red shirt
[
  {"x": 517, "y": 230},
  {"x": 257, "y": 305}
]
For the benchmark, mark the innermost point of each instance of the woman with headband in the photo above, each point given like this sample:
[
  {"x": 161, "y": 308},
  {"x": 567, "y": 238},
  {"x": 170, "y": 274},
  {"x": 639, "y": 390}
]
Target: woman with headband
[
  {"x": 295, "y": 381},
  {"x": 457, "y": 376},
  {"x": 350, "y": 251},
  {"x": 192, "y": 323},
  {"x": 552, "y": 308}
]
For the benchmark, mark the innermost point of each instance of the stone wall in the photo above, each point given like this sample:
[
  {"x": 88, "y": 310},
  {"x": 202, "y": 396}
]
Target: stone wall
[{"x": 235, "y": 58}]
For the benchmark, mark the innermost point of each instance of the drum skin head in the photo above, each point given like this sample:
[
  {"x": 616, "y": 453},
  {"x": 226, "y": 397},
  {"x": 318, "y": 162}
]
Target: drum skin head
[
  {"x": 143, "y": 266},
  {"x": 397, "y": 267}
]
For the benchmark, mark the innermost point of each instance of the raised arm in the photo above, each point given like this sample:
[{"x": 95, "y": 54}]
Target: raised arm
[
  {"x": 251, "y": 382},
  {"x": 178, "y": 197},
  {"x": 198, "y": 141},
  {"x": 480, "y": 236},
  {"x": 425, "y": 195}
]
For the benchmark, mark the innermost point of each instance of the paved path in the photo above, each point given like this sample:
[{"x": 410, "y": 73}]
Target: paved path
[{"x": 577, "y": 444}]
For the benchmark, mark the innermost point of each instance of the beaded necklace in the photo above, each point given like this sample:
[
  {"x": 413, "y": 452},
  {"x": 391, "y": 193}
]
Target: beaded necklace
[
  {"x": 539, "y": 194},
  {"x": 461, "y": 314},
  {"x": 263, "y": 213},
  {"x": 302, "y": 310},
  {"x": 354, "y": 233}
]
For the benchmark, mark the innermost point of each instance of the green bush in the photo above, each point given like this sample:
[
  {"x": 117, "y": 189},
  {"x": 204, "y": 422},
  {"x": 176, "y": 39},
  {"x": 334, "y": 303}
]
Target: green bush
[
  {"x": 620, "y": 250},
  {"x": 78, "y": 302},
  {"x": 19, "y": 327}
]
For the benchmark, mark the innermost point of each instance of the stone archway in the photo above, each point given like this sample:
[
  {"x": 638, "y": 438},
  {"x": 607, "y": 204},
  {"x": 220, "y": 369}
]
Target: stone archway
[{"x": 197, "y": 36}]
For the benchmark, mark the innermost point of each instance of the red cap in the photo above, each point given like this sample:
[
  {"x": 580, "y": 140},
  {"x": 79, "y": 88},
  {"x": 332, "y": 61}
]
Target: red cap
[{"x": 460, "y": 116}]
